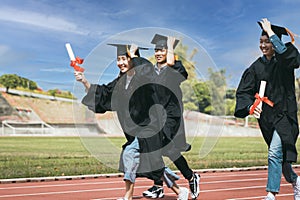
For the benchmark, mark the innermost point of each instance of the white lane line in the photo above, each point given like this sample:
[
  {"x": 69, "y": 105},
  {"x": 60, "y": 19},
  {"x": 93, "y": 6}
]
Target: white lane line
[
  {"x": 62, "y": 192},
  {"x": 238, "y": 188},
  {"x": 118, "y": 182},
  {"x": 51, "y": 193},
  {"x": 60, "y": 185},
  {"x": 260, "y": 197},
  {"x": 233, "y": 181}
]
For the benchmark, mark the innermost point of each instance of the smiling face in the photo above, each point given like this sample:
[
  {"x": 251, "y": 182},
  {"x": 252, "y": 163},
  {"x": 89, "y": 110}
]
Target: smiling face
[
  {"x": 161, "y": 55},
  {"x": 123, "y": 63},
  {"x": 266, "y": 47}
]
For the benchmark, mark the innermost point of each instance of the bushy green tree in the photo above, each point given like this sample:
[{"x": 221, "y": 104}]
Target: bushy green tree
[
  {"x": 10, "y": 81},
  {"x": 14, "y": 81}
]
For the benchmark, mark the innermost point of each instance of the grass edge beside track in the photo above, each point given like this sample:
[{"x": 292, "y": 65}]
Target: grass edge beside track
[{"x": 94, "y": 176}]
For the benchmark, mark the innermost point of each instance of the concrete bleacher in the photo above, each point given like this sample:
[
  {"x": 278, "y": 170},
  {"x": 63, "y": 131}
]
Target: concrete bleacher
[{"x": 67, "y": 118}]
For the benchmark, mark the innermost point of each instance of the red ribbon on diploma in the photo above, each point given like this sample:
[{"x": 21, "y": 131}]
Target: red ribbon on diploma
[
  {"x": 75, "y": 62},
  {"x": 258, "y": 100}
]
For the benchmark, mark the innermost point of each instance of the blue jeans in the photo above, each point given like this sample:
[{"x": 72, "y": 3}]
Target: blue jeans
[
  {"x": 131, "y": 160},
  {"x": 276, "y": 166}
]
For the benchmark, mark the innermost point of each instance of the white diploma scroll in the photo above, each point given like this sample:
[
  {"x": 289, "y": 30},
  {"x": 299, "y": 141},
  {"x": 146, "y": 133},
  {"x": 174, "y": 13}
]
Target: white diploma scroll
[
  {"x": 70, "y": 51},
  {"x": 261, "y": 93}
]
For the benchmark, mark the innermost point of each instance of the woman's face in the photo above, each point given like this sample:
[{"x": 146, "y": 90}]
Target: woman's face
[
  {"x": 160, "y": 55},
  {"x": 266, "y": 46},
  {"x": 123, "y": 63}
]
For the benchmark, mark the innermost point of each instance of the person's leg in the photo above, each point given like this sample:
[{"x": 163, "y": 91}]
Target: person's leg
[
  {"x": 169, "y": 178},
  {"x": 193, "y": 178},
  {"x": 183, "y": 167},
  {"x": 291, "y": 177},
  {"x": 275, "y": 157},
  {"x": 288, "y": 172},
  {"x": 131, "y": 159},
  {"x": 129, "y": 189}
]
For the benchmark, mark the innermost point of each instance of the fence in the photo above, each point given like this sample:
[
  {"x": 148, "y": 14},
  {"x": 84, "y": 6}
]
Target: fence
[{"x": 15, "y": 127}]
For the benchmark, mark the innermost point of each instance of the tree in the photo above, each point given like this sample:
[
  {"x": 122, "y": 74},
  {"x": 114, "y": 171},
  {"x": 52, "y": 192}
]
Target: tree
[
  {"x": 217, "y": 83},
  {"x": 230, "y": 101},
  {"x": 189, "y": 97},
  {"x": 10, "y": 81},
  {"x": 203, "y": 96},
  {"x": 14, "y": 81},
  {"x": 53, "y": 92},
  {"x": 32, "y": 85}
]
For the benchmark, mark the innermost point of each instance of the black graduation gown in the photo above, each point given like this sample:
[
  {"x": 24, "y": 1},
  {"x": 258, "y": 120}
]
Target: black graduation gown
[
  {"x": 132, "y": 106},
  {"x": 280, "y": 89},
  {"x": 169, "y": 95}
]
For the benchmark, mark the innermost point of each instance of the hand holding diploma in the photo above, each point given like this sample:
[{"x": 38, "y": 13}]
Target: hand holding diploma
[
  {"x": 79, "y": 76},
  {"x": 256, "y": 108},
  {"x": 74, "y": 61}
]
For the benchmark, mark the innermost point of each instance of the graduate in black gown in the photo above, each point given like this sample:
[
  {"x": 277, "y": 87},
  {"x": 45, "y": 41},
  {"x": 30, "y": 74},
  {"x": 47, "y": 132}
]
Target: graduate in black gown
[
  {"x": 167, "y": 75},
  {"x": 131, "y": 96},
  {"x": 278, "y": 122}
]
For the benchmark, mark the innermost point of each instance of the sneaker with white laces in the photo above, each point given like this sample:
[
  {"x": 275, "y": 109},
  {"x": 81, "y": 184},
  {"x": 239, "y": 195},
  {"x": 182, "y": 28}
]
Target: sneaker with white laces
[
  {"x": 183, "y": 194},
  {"x": 195, "y": 186},
  {"x": 154, "y": 192},
  {"x": 269, "y": 196},
  {"x": 296, "y": 187}
]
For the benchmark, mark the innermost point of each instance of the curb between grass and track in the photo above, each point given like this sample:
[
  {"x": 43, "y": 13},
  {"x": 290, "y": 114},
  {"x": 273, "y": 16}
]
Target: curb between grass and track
[{"x": 94, "y": 176}]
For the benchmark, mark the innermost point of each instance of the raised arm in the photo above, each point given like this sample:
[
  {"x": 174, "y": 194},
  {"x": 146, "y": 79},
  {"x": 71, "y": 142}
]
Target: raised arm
[
  {"x": 170, "y": 53},
  {"x": 79, "y": 76}
]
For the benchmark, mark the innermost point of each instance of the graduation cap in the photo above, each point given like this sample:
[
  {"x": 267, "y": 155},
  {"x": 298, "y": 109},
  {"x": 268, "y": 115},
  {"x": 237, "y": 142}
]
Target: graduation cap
[
  {"x": 123, "y": 49},
  {"x": 160, "y": 42},
  {"x": 279, "y": 31}
]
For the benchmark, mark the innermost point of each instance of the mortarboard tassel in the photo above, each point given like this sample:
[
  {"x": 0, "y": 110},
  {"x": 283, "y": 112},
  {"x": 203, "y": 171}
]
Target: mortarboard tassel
[{"x": 291, "y": 34}]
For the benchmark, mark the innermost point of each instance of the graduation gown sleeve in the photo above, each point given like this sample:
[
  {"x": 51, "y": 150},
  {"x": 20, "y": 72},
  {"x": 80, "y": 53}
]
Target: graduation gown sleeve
[
  {"x": 290, "y": 58},
  {"x": 178, "y": 67},
  {"x": 245, "y": 93},
  {"x": 98, "y": 98}
]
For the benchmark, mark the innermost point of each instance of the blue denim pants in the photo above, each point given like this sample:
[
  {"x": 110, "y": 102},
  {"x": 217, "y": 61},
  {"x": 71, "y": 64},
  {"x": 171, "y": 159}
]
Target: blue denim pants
[
  {"x": 276, "y": 166},
  {"x": 131, "y": 160}
]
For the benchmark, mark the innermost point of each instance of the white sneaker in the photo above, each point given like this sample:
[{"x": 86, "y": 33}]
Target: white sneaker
[
  {"x": 184, "y": 194},
  {"x": 296, "y": 187},
  {"x": 270, "y": 196}
]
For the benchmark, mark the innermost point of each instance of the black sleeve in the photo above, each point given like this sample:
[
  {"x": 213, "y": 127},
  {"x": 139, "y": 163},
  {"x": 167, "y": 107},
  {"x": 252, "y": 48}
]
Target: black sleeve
[
  {"x": 290, "y": 58},
  {"x": 178, "y": 66},
  {"x": 245, "y": 94},
  {"x": 98, "y": 98}
]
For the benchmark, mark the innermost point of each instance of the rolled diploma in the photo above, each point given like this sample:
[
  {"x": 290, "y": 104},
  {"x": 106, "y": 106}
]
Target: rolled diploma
[
  {"x": 70, "y": 51},
  {"x": 261, "y": 92}
]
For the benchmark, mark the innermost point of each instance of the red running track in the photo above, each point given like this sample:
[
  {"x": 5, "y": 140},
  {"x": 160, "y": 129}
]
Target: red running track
[{"x": 226, "y": 185}]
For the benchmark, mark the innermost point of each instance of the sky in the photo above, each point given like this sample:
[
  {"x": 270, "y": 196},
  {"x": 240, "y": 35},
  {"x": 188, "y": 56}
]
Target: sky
[{"x": 34, "y": 33}]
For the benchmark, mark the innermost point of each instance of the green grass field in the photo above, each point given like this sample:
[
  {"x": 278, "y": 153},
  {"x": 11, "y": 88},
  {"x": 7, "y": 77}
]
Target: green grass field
[{"x": 24, "y": 157}]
